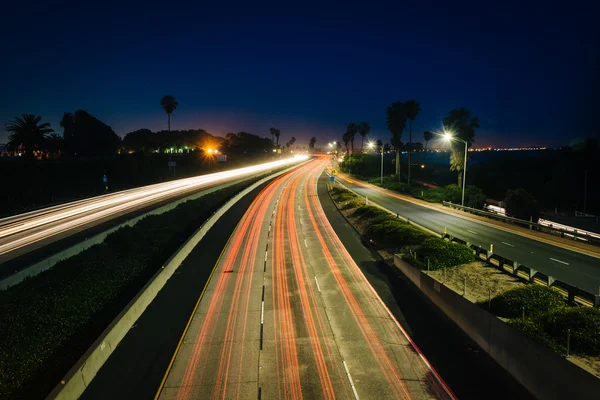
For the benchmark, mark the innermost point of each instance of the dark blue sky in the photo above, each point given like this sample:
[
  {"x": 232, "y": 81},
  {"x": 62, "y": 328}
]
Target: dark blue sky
[{"x": 529, "y": 71}]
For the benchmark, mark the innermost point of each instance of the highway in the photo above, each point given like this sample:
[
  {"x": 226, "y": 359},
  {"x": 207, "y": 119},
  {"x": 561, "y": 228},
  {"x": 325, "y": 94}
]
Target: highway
[
  {"x": 287, "y": 313},
  {"x": 569, "y": 266},
  {"x": 23, "y": 233}
]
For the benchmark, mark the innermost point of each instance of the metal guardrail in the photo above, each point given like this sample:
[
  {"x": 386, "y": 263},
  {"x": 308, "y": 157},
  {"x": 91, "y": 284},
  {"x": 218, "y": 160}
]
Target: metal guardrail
[
  {"x": 573, "y": 294},
  {"x": 574, "y": 234}
]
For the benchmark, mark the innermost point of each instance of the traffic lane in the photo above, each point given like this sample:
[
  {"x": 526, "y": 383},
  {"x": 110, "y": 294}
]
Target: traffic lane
[
  {"x": 379, "y": 354},
  {"x": 299, "y": 356},
  {"x": 468, "y": 370},
  {"x": 224, "y": 334},
  {"x": 136, "y": 367},
  {"x": 572, "y": 267},
  {"x": 219, "y": 354}
]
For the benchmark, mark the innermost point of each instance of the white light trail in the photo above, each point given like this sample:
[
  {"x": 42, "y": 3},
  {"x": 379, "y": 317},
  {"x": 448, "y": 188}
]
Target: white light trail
[{"x": 24, "y": 229}]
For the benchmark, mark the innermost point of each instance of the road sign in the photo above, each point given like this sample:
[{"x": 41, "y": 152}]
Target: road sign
[
  {"x": 331, "y": 179},
  {"x": 334, "y": 172},
  {"x": 172, "y": 163},
  {"x": 104, "y": 179}
]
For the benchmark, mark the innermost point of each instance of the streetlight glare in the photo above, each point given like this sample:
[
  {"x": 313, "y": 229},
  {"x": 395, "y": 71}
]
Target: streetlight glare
[
  {"x": 371, "y": 145},
  {"x": 447, "y": 136}
]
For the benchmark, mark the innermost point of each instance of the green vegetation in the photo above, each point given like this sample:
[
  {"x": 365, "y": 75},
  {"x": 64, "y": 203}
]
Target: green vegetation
[
  {"x": 390, "y": 233},
  {"x": 444, "y": 254},
  {"x": 521, "y": 204},
  {"x": 49, "y": 320},
  {"x": 535, "y": 299},
  {"x": 548, "y": 319}
]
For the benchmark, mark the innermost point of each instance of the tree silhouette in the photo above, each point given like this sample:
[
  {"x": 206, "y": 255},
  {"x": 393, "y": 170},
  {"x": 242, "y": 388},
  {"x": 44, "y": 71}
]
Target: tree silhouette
[
  {"x": 277, "y": 133},
  {"x": 427, "y": 135},
  {"x": 55, "y": 145},
  {"x": 352, "y": 130},
  {"x": 169, "y": 104},
  {"x": 412, "y": 109},
  {"x": 311, "y": 143},
  {"x": 272, "y": 132},
  {"x": 396, "y": 122},
  {"x": 363, "y": 129},
  {"x": 346, "y": 140},
  {"x": 379, "y": 144},
  {"x": 460, "y": 124},
  {"x": 28, "y": 135},
  {"x": 68, "y": 124}
]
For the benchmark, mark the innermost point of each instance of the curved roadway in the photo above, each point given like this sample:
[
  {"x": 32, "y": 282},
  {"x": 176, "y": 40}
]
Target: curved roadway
[
  {"x": 289, "y": 314},
  {"x": 571, "y": 267}
]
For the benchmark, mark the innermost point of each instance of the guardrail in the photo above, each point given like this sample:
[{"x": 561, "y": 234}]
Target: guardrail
[
  {"x": 574, "y": 234},
  {"x": 573, "y": 294}
]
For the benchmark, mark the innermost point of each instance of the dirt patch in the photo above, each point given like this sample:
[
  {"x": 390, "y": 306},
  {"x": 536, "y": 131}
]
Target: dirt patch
[{"x": 480, "y": 280}]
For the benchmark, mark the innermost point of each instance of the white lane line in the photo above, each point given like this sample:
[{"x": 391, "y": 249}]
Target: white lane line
[
  {"x": 559, "y": 261},
  {"x": 262, "y": 312},
  {"x": 468, "y": 230},
  {"x": 508, "y": 244},
  {"x": 317, "y": 282},
  {"x": 306, "y": 244},
  {"x": 351, "y": 381},
  {"x": 265, "y": 256}
]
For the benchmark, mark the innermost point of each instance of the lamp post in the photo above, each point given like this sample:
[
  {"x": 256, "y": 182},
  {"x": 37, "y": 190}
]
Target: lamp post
[
  {"x": 448, "y": 137},
  {"x": 371, "y": 145}
]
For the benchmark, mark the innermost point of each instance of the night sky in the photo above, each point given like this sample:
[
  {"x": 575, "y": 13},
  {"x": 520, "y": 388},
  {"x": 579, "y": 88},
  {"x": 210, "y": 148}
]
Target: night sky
[{"x": 530, "y": 72}]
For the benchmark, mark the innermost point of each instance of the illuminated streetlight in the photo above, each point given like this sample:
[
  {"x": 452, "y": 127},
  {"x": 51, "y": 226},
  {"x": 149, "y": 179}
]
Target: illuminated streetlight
[
  {"x": 448, "y": 136},
  {"x": 371, "y": 145}
]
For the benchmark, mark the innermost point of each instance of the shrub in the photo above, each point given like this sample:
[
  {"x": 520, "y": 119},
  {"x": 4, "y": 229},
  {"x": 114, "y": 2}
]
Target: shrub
[
  {"x": 536, "y": 299},
  {"x": 370, "y": 212},
  {"x": 396, "y": 234},
  {"x": 442, "y": 253},
  {"x": 533, "y": 329},
  {"x": 351, "y": 204},
  {"x": 474, "y": 197},
  {"x": 584, "y": 324},
  {"x": 521, "y": 204},
  {"x": 347, "y": 196},
  {"x": 337, "y": 190}
]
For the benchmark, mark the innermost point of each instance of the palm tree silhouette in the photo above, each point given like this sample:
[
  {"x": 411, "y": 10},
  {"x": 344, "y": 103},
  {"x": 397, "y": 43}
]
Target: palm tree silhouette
[
  {"x": 412, "y": 109},
  {"x": 363, "y": 129},
  {"x": 427, "y": 135},
  {"x": 351, "y": 130},
  {"x": 396, "y": 122},
  {"x": 28, "y": 134},
  {"x": 169, "y": 104}
]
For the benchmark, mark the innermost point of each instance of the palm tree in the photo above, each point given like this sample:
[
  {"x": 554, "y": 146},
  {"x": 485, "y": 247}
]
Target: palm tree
[
  {"x": 28, "y": 135},
  {"x": 311, "y": 143},
  {"x": 277, "y": 134},
  {"x": 460, "y": 124},
  {"x": 351, "y": 129},
  {"x": 427, "y": 135},
  {"x": 169, "y": 104},
  {"x": 412, "y": 109},
  {"x": 292, "y": 141},
  {"x": 346, "y": 140},
  {"x": 272, "y": 132},
  {"x": 396, "y": 122},
  {"x": 363, "y": 129}
]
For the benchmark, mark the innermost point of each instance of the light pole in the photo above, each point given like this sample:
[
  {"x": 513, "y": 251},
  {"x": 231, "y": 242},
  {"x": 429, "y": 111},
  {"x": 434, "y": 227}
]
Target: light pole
[
  {"x": 371, "y": 145},
  {"x": 448, "y": 137}
]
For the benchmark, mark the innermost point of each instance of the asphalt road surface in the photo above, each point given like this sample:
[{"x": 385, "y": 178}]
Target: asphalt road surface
[
  {"x": 569, "y": 266},
  {"x": 24, "y": 233},
  {"x": 289, "y": 314}
]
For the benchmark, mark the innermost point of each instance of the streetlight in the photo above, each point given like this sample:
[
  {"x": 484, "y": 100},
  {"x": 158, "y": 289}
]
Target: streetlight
[
  {"x": 448, "y": 137},
  {"x": 371, "y": 145}
]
